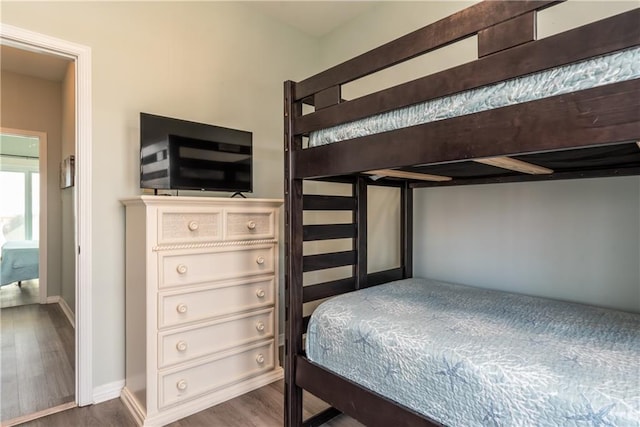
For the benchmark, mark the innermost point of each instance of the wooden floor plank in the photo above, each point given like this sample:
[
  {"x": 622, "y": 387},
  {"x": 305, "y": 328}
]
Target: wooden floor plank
[
  {"x": 13, "y": 295},
  {"x": 260, "y": 408},
  {"x": 35, "y": 363}
]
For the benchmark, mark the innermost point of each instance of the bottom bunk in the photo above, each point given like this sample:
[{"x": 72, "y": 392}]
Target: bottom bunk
[{"x": 458, "y": 355}]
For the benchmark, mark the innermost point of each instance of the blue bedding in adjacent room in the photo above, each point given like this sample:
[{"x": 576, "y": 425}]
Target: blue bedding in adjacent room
[
  {"x": 19, "y": 260},
  {"x": 594, "y": 72},
  {"x": 469, "y": 357}
]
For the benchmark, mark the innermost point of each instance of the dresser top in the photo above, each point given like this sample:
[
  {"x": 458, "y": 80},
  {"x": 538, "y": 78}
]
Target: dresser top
[{"x": 199, "y": 201}]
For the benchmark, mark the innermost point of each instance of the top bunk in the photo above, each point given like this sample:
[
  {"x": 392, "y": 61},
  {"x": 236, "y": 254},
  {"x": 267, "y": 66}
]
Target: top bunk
[{"x": 565, "y": 106}]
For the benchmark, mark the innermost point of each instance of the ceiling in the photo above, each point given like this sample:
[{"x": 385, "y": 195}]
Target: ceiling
[{"x": 39, "y": 65}]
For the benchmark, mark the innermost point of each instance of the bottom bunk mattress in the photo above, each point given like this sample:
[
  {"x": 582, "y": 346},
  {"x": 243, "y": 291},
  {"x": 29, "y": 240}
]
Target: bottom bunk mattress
[{"x": 465, "y": 356}]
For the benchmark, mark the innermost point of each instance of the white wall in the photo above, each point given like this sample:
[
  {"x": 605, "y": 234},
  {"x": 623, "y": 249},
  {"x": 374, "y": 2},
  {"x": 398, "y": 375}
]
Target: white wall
[
  {"x": 213, "y": 62},
  {"x": 572, "y": 240}
]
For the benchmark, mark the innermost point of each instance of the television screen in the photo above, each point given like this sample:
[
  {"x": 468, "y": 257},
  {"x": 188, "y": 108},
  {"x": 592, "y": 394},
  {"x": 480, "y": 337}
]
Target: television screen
[{"x": 182, "y": 155}]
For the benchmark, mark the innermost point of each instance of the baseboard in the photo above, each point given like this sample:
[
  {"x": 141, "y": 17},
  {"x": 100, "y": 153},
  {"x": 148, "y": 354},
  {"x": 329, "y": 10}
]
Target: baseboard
[
  {"x": 57, "y": 299},
  {"x": 107, "y": 391},
  {"x": 68, "y": 312},
  {"x": 134, "y": 407}
]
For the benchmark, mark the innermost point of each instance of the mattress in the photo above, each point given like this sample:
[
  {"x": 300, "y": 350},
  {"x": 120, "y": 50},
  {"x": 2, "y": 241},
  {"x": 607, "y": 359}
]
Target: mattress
[
  {"x": 469, "y": 357},
  {"x": 612, "y": 68}
]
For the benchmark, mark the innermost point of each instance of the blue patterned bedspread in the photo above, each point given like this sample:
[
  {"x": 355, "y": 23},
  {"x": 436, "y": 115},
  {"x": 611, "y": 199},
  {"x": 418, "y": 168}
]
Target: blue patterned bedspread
[{"x": 473, "y": 357}]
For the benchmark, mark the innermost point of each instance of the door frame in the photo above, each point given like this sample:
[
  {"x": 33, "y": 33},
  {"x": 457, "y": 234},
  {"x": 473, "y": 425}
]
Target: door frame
[
  {"x": 81, "y": 55},
  {"x": 42, "y": 220}
]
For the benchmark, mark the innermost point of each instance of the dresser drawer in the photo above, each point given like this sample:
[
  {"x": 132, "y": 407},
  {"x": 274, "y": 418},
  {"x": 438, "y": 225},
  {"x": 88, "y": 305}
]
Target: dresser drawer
[
  {"x": 250, "y": 224},
  {"x": 189, "y": 226},
  {"x": 179, "y": 307},
  {"x": 197, "y": 341},
  {"x": 189, "y": 267},
  {"x": 183, "y": 384}
]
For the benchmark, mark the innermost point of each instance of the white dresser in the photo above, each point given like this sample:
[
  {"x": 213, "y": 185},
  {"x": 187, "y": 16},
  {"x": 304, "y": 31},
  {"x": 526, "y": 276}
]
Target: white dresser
[{"x": 201, "y": 303}]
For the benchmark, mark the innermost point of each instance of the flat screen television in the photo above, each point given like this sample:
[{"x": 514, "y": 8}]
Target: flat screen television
[{"x": 182, "y": 155}]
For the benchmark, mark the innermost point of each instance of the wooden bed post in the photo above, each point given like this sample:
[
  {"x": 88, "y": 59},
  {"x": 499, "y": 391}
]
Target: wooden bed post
[
  {"x": 360, "y": 218},
  {"x": 293, "y": 262},
  {"x": 406, "y": 230}
]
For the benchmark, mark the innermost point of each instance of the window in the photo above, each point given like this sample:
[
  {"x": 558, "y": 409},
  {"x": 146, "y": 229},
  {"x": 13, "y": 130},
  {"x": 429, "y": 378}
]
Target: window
[{"x": 19, "y": 190}]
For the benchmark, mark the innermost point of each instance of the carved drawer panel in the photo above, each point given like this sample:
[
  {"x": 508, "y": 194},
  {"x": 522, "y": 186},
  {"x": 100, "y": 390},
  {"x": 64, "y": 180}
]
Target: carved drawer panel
[
  {"x": 183, "y": 384},
  {"x": 242, "y": 225},
  {"x": 208, "y": 338},
  {"x": 189, "y": 227}
]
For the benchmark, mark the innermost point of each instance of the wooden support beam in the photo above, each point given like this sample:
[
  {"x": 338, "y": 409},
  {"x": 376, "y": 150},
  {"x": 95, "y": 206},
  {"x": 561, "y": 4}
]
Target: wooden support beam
[
  {"x": 409, "y": 175},
  {"x": 514, "y": 32},
  {"x": 327, "y": 97},
  {"x": 515, "y": 165}
]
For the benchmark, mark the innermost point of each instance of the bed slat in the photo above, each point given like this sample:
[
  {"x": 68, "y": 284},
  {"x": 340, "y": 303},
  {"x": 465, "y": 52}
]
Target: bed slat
[
  {"x": 330, "y": 260},
  {"x": 409, "y": 175},
  {"x": 328, "y": 203},
  {"x": 556, "y": 176},
  {"x": 620, "y": 32},
  {"x": 443, "y": 32},
  {"x": 507, "y": 34},
  {"x": 515, "y": 165},
  {"x": 328, "y": 289},
  {"x": 600, "y": 115}
]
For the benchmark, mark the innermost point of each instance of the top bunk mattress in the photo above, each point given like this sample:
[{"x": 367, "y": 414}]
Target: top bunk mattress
[
  {"x": 466, "y": 356},
  {"x": 599, "y": 71}
]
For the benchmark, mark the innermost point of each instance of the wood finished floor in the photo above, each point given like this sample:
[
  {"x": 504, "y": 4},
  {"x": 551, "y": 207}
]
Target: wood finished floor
[
  {"x": 37, "y": 359},
  {"x": 13, "y": 295},
  {"x": 260, "y": 408}
]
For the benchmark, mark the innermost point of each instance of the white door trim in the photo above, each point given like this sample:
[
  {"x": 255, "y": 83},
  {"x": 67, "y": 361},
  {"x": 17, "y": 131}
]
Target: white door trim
[
  {"x": 43, "y": 239},
  {"x": 29, "y": 40}
]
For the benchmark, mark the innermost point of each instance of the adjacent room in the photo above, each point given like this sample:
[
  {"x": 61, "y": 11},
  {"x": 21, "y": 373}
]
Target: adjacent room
[{"x": 325, "y": 213}]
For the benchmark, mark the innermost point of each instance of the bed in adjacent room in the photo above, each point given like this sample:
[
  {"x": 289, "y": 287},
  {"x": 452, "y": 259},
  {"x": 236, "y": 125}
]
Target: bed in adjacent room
[{"x": 19, "y": 261}]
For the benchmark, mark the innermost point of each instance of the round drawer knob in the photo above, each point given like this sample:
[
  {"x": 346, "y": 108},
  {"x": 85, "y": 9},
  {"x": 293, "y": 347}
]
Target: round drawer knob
[
  {"x": 260, "y": 359},
  {"x": 181, "y": 308},
  {"x": 181, "y": 385},
  {"x": 260, "y": 293},
  {"x": 193, "y": 225},
  {"x": 181, "y": 346},
  {"x": 251, "y": 225},
  {"x": 181, "y": 269},
  {"x": 260, "y": 260},
  {"x": 260, "y": 326}
]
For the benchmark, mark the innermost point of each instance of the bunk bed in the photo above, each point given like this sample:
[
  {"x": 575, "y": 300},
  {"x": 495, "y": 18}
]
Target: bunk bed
[{"x": 563, "y": 107}]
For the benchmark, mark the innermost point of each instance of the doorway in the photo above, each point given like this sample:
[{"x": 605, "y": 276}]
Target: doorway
[
  {"x": 38, "y": 339},
  {"x": 80, "y": 58},
  {"x": 23, "y": 213}
]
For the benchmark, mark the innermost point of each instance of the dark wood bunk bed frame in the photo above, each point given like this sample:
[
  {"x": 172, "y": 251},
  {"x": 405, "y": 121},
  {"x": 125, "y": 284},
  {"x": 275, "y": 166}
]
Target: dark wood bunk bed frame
[{"x": 593, "y": 119}]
